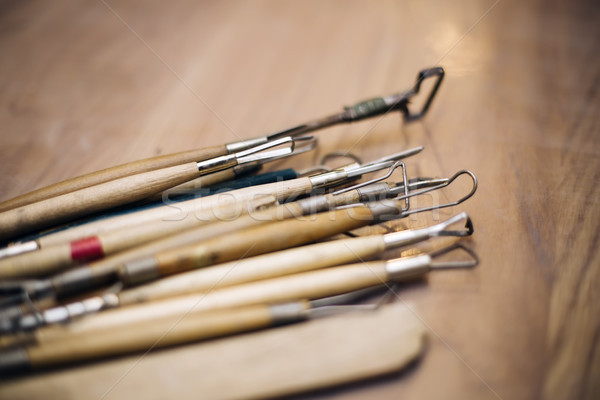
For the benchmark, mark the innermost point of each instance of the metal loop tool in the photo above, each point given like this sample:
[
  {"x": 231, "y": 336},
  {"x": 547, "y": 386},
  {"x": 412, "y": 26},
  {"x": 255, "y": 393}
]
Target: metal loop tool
[
  {"x": 446, "y": 183},
  {"x": 369, "y": 108}
]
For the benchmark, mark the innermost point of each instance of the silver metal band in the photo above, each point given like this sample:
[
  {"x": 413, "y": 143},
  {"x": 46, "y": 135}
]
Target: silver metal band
[
  {"x": 403, "y": 238},
  {"x": 216, "y": 164},
  {"x": 288, "y": 312},
  {"x": 19, "y": 248},
  {"x": 327, "y": 178},
  {"x": 401, "y": 268},
  {"x": 384, "y": 210},
  {"x": 139, "y": 271},
  {"x": 311, "y": 205},
  {"x": 373, "y": 192}
]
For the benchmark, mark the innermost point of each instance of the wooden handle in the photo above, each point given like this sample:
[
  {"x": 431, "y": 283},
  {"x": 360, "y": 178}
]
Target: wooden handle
[
  {"x": 109, "y": 174},
  {"x": 239, "y": 201},
  {"x": 176, "y": 213},
  {"x": 189, "y": 230},
  {"x": 307, "y": 285},
  {"x": 263, "y": 239},
  {"x": 301, "y": 357},
  {"x": 36, "y": 264},
  {"x": 285, "y": 190},
  {"x": 54, "y": 258},
  {"x": 95, "y": 198},
  {"x": 178, "y": 233},
  {"x": 211, "y": 224},
  {"x": 268, "y": 266},
  {"x": 201, "y": 182},
  {"x": 161, "y": 332}
]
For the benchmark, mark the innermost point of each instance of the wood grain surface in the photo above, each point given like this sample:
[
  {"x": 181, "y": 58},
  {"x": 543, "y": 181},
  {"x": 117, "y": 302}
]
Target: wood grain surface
[
  {"x": 320, "y": 353},
  {"x": 88, "y": 85}
]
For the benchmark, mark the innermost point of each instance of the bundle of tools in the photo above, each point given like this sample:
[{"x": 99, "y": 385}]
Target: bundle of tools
[{"x": 194, "y": 245}]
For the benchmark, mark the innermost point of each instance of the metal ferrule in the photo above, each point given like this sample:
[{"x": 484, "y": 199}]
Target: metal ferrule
[
  {"x": 217, "y": 164},
  {"x": 38, "y": 288},
  {"x": 327, "y": 179},
  {"x": 373, "y": 192},
  {"x": 366, "y": 109},
  {"x": 15, "y": 292},
  {"x": 288, "y": 312},
  {"x": 75, "y": 281},
  {"x": 19, "y": 248},
  {"x": 28, "y": 322},
  {"x": 397, "y": 100},
  {"x": 384, "y": 210},
  {"x": 403, "y": 238},
  {"x": 65, "y": 313},
  {"x": 245, "y": 144},
  {"x": 311, "y": 205},
  {"x": 79, "y": 308},
  {"x": 402, "y": 268},
  {"x": 139, "y": 271}
]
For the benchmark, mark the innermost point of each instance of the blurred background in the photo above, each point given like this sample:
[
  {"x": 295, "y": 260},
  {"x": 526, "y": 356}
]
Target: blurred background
[{"x": 88, "y": 85}]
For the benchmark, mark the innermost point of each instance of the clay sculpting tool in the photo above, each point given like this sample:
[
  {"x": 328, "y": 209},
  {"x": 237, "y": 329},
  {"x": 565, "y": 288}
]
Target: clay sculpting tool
[{"x": 365, "y": 109}]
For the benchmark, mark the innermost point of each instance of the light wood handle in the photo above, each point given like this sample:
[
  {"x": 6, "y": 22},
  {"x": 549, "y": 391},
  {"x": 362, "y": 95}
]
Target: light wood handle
[
  {"x": 162, "y": 332},
  {"x": 95, "y": 198},
  {"x": 285, "y": 190},
  {"x": 240, "y": 201},
  {"x": 36, "y": 264},
  {"x": 168, "y": 214},
  {"x": 394, "y": 338},
  {"x": 308, "y": 285},
  {"x": 55, "y": 258},
  {"x": 263, "y": 239},
  {"x": 211, "y": 224},
  {"x": 183, "y": 232},
  {"x": 268, "y": 266},
  {"x": 109, "y": 174}
]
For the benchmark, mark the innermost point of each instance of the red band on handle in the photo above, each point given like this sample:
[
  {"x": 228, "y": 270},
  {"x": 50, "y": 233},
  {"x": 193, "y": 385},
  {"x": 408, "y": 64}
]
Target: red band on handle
[{"x": 87, "y": 249}]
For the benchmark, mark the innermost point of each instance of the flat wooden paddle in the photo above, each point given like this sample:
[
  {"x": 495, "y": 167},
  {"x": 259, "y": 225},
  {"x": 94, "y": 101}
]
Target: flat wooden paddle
[{"x": 293, "y": 359}]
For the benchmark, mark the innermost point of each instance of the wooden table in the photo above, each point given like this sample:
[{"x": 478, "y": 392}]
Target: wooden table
[{"x": 87, "y": 85}]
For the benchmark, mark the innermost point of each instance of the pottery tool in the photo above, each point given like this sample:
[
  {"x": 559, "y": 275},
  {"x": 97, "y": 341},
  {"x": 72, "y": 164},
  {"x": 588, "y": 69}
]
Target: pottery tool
[
  {"x": 307, "y": 285},
  {"x": 365, "y": 109},
  {"x": 107, "y": 271},
  {"x": 268, "y": 266},
  {"x": 200, "y": 210},
  {"x": 125, "y": 190}
]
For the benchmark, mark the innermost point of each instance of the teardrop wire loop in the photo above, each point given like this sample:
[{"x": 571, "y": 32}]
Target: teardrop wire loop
[
  {"x": 441, "y": 186},
  {"x": 373, "y": 107},
  {"x": 446, "y": 182}
]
